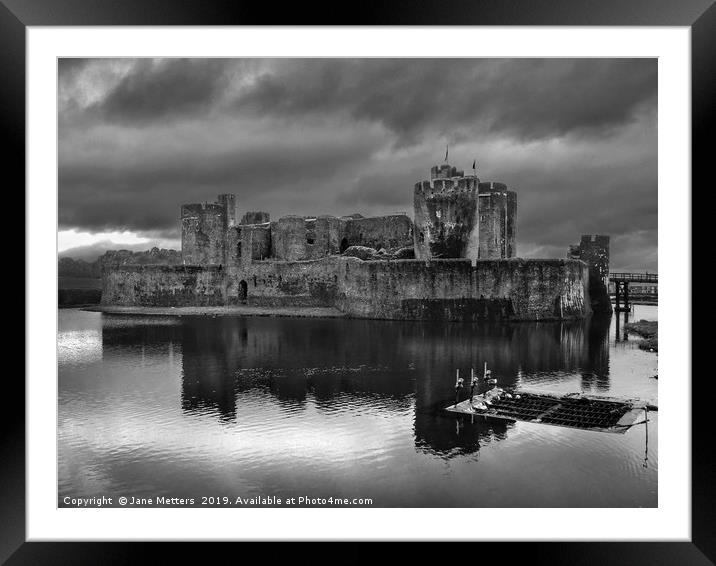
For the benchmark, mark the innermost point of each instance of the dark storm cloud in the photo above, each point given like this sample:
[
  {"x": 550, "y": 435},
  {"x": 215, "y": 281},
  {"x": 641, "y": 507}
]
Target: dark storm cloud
[
  {"x": 145, "y": 186},
  {"x": 527, "y": 98},
  {"x": 160, "y": 89},
  {"x": 573, "y": 136}
]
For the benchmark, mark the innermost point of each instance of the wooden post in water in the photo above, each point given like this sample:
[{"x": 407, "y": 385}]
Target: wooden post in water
[
  {"x": 646, "y": 436},
  {"x": 457, "y": 387},
  {"x": 472, "y": 384}
]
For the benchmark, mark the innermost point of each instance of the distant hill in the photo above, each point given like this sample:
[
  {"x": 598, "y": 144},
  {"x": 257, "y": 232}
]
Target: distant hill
[{"x": 69, "y": 267}]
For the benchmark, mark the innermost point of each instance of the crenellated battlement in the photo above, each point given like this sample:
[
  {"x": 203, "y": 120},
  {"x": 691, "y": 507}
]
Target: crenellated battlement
[{"x": 458, "y": 215}]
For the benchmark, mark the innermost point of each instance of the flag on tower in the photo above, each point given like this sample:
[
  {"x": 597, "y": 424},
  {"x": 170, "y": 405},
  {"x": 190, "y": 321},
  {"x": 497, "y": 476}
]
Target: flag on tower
[
  {"x": 473, "y": 164},
  {"x": 446, "y": 153}
]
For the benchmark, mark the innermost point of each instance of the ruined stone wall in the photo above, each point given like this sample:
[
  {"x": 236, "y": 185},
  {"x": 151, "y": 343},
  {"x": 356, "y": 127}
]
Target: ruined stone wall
[
  {"x": 453, "y": 289},
  {"x": 163, "y": 285},
  {"x": 323, "y": 236},
  {"x": 203, "y": 233},
  {"x": 246, "y": 243},
  {"x": 256, "y": 242},
  {"x": 288, "y": 238},
  {"x": 390, "y": 232},
  {"x": 446, "y": 218},
  {"x": 379, "y": 289},
  {"x": 538, "y": 289},
  {"x": 277, "y": 283},
  {"x": 498, "y": 221}
]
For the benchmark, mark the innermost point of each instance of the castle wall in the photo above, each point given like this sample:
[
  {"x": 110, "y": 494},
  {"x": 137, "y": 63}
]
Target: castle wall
[
  {"x": 380, "y": 289},
  {"x": 246, "y": 243},
  {"x": 390, "y": 232},
  {"x": 276, "y": 283},
  {"x": 323, "y": 236},
  {"x": 288, "y": 238},
  {"x": 453, "y": 289},
  {"x": 203, "y": 234},
  {"x": 163, "y": 285},
  {"x": 538, "y": 289},
  {"x": 256, "y": 241}
]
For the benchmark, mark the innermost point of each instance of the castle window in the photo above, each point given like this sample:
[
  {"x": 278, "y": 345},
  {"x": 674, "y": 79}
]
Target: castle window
[
  {"x": 310, "y": 240},
  {"x": 421, "y": 237},
  {"x": 254, "y": 281}
]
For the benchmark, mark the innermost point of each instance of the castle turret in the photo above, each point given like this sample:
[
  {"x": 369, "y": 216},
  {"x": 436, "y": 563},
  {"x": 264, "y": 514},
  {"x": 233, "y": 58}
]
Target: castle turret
[
  {"x": 228, "y": 201},
  {"x": 594, "y": 251},
  {"x": 457, "y": 216},
  {"x": 203, "y": 233},
  {"x": 498, "y": 221}
]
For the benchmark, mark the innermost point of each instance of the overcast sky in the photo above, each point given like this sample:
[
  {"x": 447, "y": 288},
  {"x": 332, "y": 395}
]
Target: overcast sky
[{"x": 576, "y": 138}]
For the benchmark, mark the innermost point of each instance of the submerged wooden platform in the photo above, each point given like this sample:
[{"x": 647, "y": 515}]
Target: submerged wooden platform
[{"x": 586, "y": 412}]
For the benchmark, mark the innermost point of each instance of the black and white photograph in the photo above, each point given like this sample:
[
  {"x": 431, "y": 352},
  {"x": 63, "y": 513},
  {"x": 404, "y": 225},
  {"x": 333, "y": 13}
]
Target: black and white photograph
[{"x": 357, "y": 282}]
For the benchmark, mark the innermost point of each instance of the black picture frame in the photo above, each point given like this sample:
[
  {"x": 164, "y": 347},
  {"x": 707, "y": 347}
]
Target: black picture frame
[{"x": 699, "y": 15}]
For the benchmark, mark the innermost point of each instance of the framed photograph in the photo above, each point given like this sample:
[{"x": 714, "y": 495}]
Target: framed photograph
[{"x": 387, "y": 280}]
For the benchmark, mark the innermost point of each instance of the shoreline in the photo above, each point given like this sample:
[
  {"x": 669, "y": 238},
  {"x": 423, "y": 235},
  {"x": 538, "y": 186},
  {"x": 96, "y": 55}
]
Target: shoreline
[
  {"x": 243, "y": 310},
  {"x": 648, "y": 330}
]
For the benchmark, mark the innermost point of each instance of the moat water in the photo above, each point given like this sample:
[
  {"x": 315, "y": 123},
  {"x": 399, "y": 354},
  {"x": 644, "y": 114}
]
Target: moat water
[{"x": 198, "y": 407}]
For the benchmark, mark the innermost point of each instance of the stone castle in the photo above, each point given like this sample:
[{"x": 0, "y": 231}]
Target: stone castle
[{"x": 455, "y": 260}]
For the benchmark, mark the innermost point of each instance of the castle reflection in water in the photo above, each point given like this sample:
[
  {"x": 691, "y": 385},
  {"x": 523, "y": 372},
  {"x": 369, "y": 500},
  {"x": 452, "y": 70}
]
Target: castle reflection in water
[{"x": 383, "y": 367}]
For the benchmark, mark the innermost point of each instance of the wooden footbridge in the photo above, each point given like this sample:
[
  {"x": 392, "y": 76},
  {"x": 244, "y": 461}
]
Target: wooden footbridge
[{"x": 621, "y": 287}]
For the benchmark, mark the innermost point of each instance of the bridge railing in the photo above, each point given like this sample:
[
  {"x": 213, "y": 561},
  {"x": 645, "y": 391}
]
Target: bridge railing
[{"x": 635, "y": 277}]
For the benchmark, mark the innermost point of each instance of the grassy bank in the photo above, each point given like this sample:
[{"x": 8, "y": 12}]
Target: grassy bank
[{"x": 648, "y": 330}]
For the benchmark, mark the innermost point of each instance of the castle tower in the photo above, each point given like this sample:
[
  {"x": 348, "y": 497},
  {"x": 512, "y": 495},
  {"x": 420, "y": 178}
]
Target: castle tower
[
  {"x": 594, "y": 251},
  {"x": 456, "y": 216},
  {"x": 498, "y": 221},
  {"x": 228, "y": 201},
  {"x": 203, "y": 233}
]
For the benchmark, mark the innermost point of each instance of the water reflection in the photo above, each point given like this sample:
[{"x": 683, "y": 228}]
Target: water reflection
[
  {"x": 341, "y": 407},
  {"x": 357, "y": 367}
]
